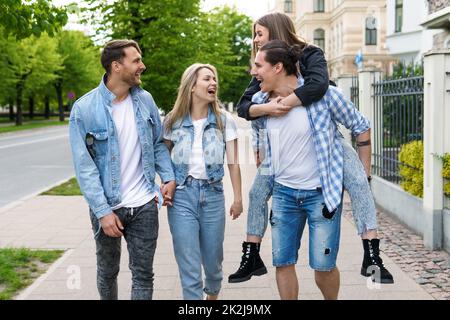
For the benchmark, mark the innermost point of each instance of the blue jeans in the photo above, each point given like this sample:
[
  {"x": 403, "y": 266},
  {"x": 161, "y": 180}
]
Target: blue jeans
[
  {"x": 358, "y": 188},
  {"x": 197, "y": 224},
  {"x": 355, "y": 182},
  {"x": 291, "y": 208},
  {"x": 140, "y": 232}
]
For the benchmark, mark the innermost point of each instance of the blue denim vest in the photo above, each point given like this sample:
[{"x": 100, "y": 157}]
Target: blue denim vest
[{"x": 182, "y": 136}]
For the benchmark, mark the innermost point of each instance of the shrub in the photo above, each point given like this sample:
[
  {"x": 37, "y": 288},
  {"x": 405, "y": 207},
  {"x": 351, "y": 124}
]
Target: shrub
[
  {"x": 446, "y": 173},
  {"x": 411, "y": 155}
]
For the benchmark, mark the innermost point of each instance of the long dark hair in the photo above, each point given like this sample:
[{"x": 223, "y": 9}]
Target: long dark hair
[
  {"x": 278, "y": 51},
  {"x": 280, "y": 27}
]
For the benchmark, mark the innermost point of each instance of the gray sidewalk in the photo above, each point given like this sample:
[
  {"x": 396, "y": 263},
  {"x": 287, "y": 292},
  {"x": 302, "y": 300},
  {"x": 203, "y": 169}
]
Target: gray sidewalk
[{"x": 63, "y": 223}]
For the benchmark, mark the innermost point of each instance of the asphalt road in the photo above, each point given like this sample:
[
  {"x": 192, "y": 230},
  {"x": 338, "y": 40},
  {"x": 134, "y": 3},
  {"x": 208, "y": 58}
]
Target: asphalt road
[{"x": 32, "y": 160}]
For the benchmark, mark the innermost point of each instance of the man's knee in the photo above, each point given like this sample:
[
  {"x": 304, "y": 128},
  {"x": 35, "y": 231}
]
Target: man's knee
[
  {"x": 325, "y": 275},
  {"x": 285, "y": 270}
]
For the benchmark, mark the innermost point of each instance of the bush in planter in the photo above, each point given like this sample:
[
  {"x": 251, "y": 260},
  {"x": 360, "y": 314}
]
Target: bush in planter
[
  {"x": 446, "y": 173},
  {"x": 411, "y": 155}
]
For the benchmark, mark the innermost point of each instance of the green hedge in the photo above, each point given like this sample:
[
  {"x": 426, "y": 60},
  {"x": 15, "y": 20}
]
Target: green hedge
[
  {"x": 446, "y": 173},
  {"x": 411, "y": 154}
]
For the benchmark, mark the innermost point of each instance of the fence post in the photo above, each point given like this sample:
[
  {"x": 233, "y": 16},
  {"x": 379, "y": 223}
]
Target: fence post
[
  {"x": 436, "y": 141},
  {"x": 345, "y": 83},
  {"x": 367, "y": 104}
]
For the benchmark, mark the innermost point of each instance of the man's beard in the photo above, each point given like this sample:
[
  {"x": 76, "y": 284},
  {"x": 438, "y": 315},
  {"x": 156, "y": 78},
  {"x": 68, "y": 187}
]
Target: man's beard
[{"x": 132, "y": 80}]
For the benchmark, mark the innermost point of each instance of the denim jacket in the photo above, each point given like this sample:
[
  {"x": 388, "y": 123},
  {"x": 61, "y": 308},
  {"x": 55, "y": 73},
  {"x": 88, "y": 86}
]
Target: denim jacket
[
  {"x": 95, "y": 146},
  {"x": 182, "y": 137}
]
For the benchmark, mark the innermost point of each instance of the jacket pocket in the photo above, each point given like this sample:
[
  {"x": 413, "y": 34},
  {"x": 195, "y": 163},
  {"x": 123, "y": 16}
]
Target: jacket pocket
[{"x": 100, "y": 143}]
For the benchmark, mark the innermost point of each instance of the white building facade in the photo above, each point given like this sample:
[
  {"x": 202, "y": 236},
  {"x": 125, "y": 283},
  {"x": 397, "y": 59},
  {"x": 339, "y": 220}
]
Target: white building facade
[{"x": 406, "y": 39}]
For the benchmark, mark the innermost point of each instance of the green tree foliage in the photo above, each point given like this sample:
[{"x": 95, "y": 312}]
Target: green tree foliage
[
  {"x": 81, "y": 70},
  {"x": 33, "y": 63},
  {"x": 38, "y": 71},
  {"x": 232, "y": 30},
  {"x": 173, "y": 34},
  {"x": 23, "y": 18},
  {"x": 405, "y": 70}
]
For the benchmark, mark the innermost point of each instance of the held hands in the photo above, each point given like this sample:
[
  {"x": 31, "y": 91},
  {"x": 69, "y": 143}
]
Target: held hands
[
  {"x": 111, "y": 225},
  {"x": 168, "y": 190},
  {"x": 276, "y": 108},
  {"x": 236, "y": 209}
]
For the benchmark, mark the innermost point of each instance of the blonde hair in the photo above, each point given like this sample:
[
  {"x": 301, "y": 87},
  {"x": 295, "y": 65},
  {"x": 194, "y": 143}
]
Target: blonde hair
[
  {"x": 280, "y": 27},
  {"x": 183, "y": 104}
]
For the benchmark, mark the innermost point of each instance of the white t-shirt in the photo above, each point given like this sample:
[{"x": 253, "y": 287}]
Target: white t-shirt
[
  {"x": 293, "y": 153},
  {"x": 134, "y": 188},
  {"x": 197, "y": 167},
  {"x": 197, "y": 161}
]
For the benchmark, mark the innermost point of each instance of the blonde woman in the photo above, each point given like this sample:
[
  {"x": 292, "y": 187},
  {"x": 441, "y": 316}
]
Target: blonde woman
[{"x": 199, "y": 134}]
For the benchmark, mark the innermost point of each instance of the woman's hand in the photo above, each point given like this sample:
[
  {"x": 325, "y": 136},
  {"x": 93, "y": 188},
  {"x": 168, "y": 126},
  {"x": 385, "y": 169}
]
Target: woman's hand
[
  {"x": 236, "y": 209},
  {"x": 276, "y": 109}
]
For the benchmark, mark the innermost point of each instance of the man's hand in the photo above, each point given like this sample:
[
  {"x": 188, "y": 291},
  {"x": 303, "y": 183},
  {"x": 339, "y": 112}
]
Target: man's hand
[
  {"x": 168, "y": 191},
  {"x": 276, "y": 108},
  {"x": 111, "y": 225},
  {"x": 236, "y": 209}
]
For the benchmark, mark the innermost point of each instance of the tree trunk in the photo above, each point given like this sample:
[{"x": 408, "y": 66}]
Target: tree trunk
[
  {"x": 58, "y": 88},
  {"x": 47, "y": 107},
  {"x": 19, "y": 90},
  {"x": 31, "y": 106},
  {"x": 11, "y": 110},
  {"x": 19, "y": 119}
]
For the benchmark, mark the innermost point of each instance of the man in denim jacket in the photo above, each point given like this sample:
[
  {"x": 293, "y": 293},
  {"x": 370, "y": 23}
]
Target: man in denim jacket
[{"x": 115, "y": 135}]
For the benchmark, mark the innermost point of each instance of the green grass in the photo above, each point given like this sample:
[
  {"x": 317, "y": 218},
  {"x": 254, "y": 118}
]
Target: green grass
[
  {"x": 20, "y": 267},
  {"x": 69, "y": 188},
  {"x": 31, "y": 125}
]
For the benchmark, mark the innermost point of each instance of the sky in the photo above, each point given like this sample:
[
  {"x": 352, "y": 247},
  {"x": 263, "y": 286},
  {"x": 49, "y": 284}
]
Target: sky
[{"x": 252, "y": 8}]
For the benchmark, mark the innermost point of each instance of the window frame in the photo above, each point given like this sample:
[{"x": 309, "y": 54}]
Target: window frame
[
  {"x": 288, "y": 8},
  {"x": 398, "y": 15},
  {"x": 319, "y": 40},
  {"x": 319, "y": 5},
  {"x": 371, "y": 33}
]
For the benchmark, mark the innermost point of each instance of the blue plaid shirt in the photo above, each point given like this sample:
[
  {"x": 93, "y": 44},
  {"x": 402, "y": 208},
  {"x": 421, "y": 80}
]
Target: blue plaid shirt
[{"x": 322, "y": 115}]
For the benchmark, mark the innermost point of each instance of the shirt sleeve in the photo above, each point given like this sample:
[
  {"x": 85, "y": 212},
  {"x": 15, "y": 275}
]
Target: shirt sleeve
[
  {"x": 314, "y": 69},
  {"x": 343, "y": 111},
  {"x": 245, "y": 101},
  {"x": 231, "y": 132}
]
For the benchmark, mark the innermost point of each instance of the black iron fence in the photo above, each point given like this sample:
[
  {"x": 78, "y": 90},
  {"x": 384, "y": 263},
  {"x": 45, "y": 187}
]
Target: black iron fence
[
  {"x": 354, "y": 91},
  {"x": 398, "y": 119}
]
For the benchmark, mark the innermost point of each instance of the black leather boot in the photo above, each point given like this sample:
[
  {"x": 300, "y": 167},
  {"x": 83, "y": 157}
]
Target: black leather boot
[
  {"x": 251, "y": 264},
  {"x": 372, "y": 265}
]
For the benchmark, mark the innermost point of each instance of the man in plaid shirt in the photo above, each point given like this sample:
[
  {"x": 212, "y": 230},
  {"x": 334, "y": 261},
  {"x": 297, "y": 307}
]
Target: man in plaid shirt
[{"x": 302, "y": 153}]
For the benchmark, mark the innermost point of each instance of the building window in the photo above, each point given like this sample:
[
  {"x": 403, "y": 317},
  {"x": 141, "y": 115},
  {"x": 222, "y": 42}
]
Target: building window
[
  {"x": 319, "y": 38},
  {"x": 371, "y": 31},
  {"x": 288, "y": 6},
  {"x": 398, "y": 15},
  {"x": 319, "y": 5}
]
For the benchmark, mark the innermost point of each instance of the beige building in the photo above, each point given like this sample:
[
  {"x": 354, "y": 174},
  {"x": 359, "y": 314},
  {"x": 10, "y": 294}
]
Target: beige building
[
  {"x": 343, "y": 28},
  {"x": 439, "y": 18},
  {"x": 286, "y": 6}
]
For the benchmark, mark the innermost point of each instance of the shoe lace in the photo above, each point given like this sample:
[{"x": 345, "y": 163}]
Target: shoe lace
[
  {"x": 375, "y": 258},
  {"x": 245, "y": 258}
]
